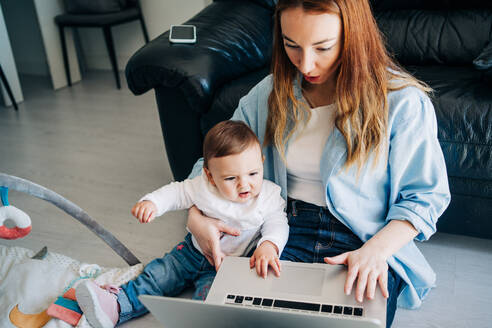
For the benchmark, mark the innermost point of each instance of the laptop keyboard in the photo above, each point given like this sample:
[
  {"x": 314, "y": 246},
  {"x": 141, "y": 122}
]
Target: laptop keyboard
[{"x": 294, "y": 305}]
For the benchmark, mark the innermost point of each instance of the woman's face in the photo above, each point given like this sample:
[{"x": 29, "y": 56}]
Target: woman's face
[{"x": 313, "y": 42}]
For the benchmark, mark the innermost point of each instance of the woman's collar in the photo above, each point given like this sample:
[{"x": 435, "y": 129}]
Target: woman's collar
[{"x": 298, "y": 86}]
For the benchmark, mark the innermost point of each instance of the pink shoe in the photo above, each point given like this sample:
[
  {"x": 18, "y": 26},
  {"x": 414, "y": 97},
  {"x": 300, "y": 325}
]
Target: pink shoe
[{"x": 100, "y": 306}]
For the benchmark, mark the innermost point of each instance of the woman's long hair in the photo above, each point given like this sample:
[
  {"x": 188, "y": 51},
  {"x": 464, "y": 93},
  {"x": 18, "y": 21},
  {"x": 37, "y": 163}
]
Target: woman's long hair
[{"x": 362, "y": 84}]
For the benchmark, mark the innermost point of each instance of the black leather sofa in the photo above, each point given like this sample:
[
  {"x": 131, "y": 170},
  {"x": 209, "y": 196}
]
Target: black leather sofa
[{"x": 437, "y": 40}]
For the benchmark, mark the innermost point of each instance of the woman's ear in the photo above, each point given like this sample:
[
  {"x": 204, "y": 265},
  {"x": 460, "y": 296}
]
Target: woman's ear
[{"x": 209, "y": 176}]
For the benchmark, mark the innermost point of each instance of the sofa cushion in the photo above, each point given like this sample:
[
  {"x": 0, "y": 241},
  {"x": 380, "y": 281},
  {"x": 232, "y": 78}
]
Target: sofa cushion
[
  {"x": 484, "y": 60},
  {"x": 463, "y": 104},
  {"x": 420, "y": 37},
  {"x": 227, "y": 98},
  {"x": 468, "y": 214}
]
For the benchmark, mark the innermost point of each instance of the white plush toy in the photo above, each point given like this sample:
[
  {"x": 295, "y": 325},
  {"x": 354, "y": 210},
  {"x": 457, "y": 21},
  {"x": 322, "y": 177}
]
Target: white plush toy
[
  {"x": 29, "y": 286},
  {"x": 21, "y": 220}
]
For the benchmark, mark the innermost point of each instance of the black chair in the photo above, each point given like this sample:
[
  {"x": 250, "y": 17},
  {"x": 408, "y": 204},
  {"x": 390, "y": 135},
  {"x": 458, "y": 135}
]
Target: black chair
[
  {"x": 7, "y": 86},
  {"x": 104, "y": 21}
]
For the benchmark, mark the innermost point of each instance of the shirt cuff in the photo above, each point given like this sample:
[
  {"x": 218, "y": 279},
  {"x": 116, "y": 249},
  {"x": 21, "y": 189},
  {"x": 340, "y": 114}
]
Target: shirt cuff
[{"x": 424, "y": 228}]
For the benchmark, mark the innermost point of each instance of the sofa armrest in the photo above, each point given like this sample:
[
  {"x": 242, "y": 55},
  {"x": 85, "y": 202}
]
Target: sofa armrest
[{"x": 232, "y": 38}]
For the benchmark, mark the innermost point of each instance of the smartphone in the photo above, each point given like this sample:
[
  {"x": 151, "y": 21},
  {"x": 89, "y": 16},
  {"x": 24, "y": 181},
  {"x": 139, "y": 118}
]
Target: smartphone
[{"x": 182, "y": 34}]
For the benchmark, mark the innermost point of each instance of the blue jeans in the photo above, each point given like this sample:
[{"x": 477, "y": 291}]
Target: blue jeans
[
  {"x": 315, "y": 233},
  {"x": 183, "y": 267}
]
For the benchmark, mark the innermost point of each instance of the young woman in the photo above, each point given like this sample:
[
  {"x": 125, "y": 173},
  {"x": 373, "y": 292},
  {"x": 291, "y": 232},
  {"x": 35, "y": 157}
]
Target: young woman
[{"x": 352, "y": 140}]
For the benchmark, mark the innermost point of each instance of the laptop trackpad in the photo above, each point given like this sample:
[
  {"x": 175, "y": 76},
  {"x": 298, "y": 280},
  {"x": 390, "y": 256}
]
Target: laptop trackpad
[{"x": 296, "y": 280}]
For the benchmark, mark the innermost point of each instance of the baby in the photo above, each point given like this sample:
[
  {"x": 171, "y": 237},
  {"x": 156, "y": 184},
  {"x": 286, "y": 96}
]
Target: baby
[{"x": 231, "y": 188}]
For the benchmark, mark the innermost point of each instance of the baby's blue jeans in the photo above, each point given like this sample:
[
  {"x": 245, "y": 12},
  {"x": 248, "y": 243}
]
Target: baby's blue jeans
[
  {"x": 183, "y": 267},
  {"x": 315, "y": 233}
]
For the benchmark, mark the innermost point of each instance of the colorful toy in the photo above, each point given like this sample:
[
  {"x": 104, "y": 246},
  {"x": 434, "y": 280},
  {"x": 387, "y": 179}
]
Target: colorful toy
[{"x": 66, "y": 308}]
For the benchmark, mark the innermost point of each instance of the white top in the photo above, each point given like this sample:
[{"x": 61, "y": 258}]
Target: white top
[
  {"x": 264, "y": 214},
  {"x": 303, "y": 156}
]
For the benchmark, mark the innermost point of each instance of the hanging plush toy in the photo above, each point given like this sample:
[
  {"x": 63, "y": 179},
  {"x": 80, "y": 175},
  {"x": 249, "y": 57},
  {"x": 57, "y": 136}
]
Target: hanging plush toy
[{"x": 21, "y": 220}]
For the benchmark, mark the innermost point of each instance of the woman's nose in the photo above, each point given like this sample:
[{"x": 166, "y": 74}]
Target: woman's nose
[{"x": 306, "y": 63}]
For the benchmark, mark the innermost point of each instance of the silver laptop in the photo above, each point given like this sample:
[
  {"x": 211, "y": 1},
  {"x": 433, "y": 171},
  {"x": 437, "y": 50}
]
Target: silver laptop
[{"x": 305, "y": 294}]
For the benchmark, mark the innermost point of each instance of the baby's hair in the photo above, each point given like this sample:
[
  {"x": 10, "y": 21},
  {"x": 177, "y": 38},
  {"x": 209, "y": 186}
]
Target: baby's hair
[{"x": 227, "y": 138}]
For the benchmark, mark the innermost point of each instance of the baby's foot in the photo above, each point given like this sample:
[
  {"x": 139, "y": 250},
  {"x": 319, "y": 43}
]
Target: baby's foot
[{"x": 100, "y": 306}]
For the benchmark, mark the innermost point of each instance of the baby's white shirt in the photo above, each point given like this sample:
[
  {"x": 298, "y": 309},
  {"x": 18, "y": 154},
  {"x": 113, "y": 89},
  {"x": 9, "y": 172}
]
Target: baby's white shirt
[{"x": 263, "y": 215}]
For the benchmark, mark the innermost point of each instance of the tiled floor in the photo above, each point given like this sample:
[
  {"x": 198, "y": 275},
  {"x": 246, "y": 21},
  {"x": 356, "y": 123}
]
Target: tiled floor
[{"x": 102, "y": 148}]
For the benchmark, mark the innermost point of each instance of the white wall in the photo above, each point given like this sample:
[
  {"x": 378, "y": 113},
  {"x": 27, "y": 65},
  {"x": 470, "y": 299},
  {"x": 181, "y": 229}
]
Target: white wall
[
  {"x": 128, "y": 38},
  {"x": 8, "y": 65},
  {"x": 35, "y": 39},
  {"x": 46, "y": 11},
  {"x": 25, "y": 37}
]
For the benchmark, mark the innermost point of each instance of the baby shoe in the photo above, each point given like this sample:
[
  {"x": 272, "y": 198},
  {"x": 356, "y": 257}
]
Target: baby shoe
[{"x": 100, "y": 306}]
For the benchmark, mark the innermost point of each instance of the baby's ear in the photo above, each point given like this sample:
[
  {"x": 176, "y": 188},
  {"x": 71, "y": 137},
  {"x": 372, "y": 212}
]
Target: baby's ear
[
  {"x": 209, "y": 176},
  {"x": 263, "y": 158}
]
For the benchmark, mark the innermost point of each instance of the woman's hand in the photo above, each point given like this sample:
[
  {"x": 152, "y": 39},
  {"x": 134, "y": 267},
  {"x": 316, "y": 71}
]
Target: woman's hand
[
  {"x": 368, "y": 263},
  {"x": 264, "y": 256},
  {"x": 368, "y": 267},
  {"x": 207, "y": 231}
]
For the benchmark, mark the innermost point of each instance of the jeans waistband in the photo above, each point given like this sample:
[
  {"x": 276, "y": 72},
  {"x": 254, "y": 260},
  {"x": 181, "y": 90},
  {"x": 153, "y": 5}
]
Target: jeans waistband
[
  {"x": 295, "y": 205},
  {"x": 316, "y": 217}
]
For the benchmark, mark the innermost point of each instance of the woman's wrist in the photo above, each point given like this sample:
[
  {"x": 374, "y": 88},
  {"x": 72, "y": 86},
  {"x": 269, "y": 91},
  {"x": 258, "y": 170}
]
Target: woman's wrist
[
  {"x": 378, "y": 248},
  {"x": 391, "y": 238}
]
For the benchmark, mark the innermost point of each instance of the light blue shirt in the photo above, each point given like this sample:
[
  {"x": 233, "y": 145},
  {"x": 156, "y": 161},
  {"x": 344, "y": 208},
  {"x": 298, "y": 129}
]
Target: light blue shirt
[{"x": 408, "y": 182}]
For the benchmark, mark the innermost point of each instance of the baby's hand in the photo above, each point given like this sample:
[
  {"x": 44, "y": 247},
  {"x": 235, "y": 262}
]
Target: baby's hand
[
  {"x": 144, "y": 211},
  {"x": 265, "y": 255}
]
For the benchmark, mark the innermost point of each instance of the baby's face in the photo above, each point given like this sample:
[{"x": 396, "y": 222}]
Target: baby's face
[{"x": 238, "y": 177}]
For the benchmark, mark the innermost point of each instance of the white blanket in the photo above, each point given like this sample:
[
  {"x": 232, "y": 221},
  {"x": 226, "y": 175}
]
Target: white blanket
[{"x": 33, "y": 285}]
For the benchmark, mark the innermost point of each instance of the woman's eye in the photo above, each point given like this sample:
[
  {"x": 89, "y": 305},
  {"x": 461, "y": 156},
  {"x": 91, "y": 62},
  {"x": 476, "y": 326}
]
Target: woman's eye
[
  {"x": 324, "y": 49},
  {"x": 291, "y": 46},
  {"x": 229, "y": 179}
]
